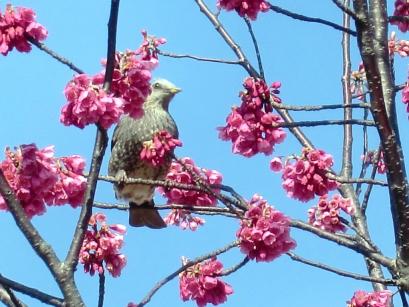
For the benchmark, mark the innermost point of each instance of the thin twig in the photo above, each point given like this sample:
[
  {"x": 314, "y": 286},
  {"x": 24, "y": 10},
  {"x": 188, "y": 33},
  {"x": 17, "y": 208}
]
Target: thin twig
[
  {"x": 197, "y": 58},
  {"x": 357, "y": 180},
  {"x": 402, "y": 295},
  {"x": 368, "y": 191},
  {"x": 329, "y": 122},
  {"x": 236, "y": 267},
  {"x": 345, "y": 9},
  {"x": 34, "y": 293},
  {"x": 310, "y": 108},
  {"x": 101, "y": 290},
  {"x": 339, "y": 271},
  {"x": 293, "y": 15},
  {"x": 54, "y": 55},
  {"x": 14, "y": 300},
  {"x": 255, "y": 44},
  {"x": 190, "y": 263},
  {"x": 340, "y": 240}
]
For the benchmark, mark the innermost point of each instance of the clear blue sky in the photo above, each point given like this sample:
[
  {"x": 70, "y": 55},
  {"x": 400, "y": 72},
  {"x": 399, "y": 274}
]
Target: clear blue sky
[{"x": 306, "y": 58}]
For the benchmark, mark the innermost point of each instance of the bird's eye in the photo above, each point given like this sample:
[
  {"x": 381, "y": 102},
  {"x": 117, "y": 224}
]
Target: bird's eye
[{"x": 156, "y": 85}]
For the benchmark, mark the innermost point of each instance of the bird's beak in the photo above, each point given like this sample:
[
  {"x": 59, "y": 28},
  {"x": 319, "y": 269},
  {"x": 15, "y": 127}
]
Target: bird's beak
[{"x": 175, "y": 90}]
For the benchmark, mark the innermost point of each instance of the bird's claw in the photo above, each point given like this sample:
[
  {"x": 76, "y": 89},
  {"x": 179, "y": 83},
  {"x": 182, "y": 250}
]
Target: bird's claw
[{"x": 121, "y": 177}]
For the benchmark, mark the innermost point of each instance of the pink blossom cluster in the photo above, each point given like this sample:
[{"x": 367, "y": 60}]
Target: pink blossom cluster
[
  {"x": 187, "y": 172},
  {"x": 400, "y": 47},
  {"x": 401, "y": 10},
  {"x": 101, "y": 245},
  {"x": 88, "y": 104},
  {"x": 370, "y": 299},
  {"x": 251, "y": 126},
  {"x": 87, "y": 101},
  {"x": 202, "y": 284},
  {"x": 370, "y": 158},
  {"x": 148, "y": 50},
  {"x": 305, "y": 176},
  {"x": 264, "y": 232},
  {"x": 184, "y": 219},
  {"x": 326, "y": 214},
  {"x": 38, "y": 178},
  {"x": 156, "y": 150},
  {"x": 17, "y": 24},
  {"x": 248, "y": 8}
]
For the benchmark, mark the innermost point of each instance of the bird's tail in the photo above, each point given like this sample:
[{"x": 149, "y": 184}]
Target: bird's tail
[{"x": 145, "y": 215}]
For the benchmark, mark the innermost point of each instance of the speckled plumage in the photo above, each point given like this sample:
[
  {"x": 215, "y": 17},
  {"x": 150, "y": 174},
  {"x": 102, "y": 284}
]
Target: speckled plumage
[{"x": 127, "y": 143}]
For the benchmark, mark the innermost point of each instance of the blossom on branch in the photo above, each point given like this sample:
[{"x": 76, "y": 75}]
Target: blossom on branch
[
  {"x": 370, "y": 299},
  {"x": 101, "y": 247},
  {"x": 401, "y": 10},
  {"x": 245, "y": 8},
  {"x": 88, "y": 104},
  {"x": 38, "y": 178},
  {"x": 400, "y": 47},
  {"x": 156, "y": 150},
  {"x": 250, "y": 127},
  {"x": 187, "y": 172},
  {"x": 87, "y": 101},
  {"x": 371, "y": 157},
  {"x": 17, "y": 24},
  {"x": 264, "y": 232},
  {"x": 305, "y": 176},
  {"x": 326, "y": 214},
  {"x": 202, "y": 284}
]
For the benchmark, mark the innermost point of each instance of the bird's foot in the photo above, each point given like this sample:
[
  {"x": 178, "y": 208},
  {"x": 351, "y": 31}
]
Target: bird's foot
[{"x": 121, "y": 177}]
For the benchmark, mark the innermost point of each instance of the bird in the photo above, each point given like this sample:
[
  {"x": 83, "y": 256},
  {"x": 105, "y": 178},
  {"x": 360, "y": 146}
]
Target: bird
[{"x": 125, "y": 162}]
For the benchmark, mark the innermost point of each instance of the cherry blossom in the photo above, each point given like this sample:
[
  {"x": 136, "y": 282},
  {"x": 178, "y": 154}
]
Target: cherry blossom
[
  {"x": 184, "y": 219},
  {"x": 188, "y": 173},
  {"x": 101, "y": 247},
  {"x": 88, "y": 103},
  {"x": 148, "y": 50},
  {"x": 370, "y": 299},
  {"x": 400, "y": 47},
  {"x": 250, "y": 127},
  {"x": 202, "y": 284},
  {"x": 305, "y": 176},
  {"x": 276, "y": 165},
  {"x": 17, "y": 24},
  {"x": 401, "y": 10},
  {"x": 156, "y": 150},
  {"x": 264, "y": 232},
  {"x": 245, "y": 8},
  {"x": 38, "y": 178},
  {"x": 326, "y": 214}
]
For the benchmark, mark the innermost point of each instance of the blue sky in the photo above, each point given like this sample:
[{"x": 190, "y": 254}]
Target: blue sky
[{"x": 306, "y": 58}]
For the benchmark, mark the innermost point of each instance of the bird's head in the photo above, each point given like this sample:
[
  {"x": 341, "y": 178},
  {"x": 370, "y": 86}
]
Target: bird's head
[{"x": 162, "y": 93}]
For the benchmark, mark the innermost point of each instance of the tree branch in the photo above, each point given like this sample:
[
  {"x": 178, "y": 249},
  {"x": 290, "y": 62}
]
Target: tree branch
[
  {"x": 100, "y": 145},
  {"x": 54, "y": 55},
  {"x": 34, "y": 293},
  {"x": 101, "y": 290},
  {"x": 282, "y": 11},
  {"x": 339, "y": 271},
  {"x": 190, "y": 263},
  {"x": 197, "y": 58}
]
